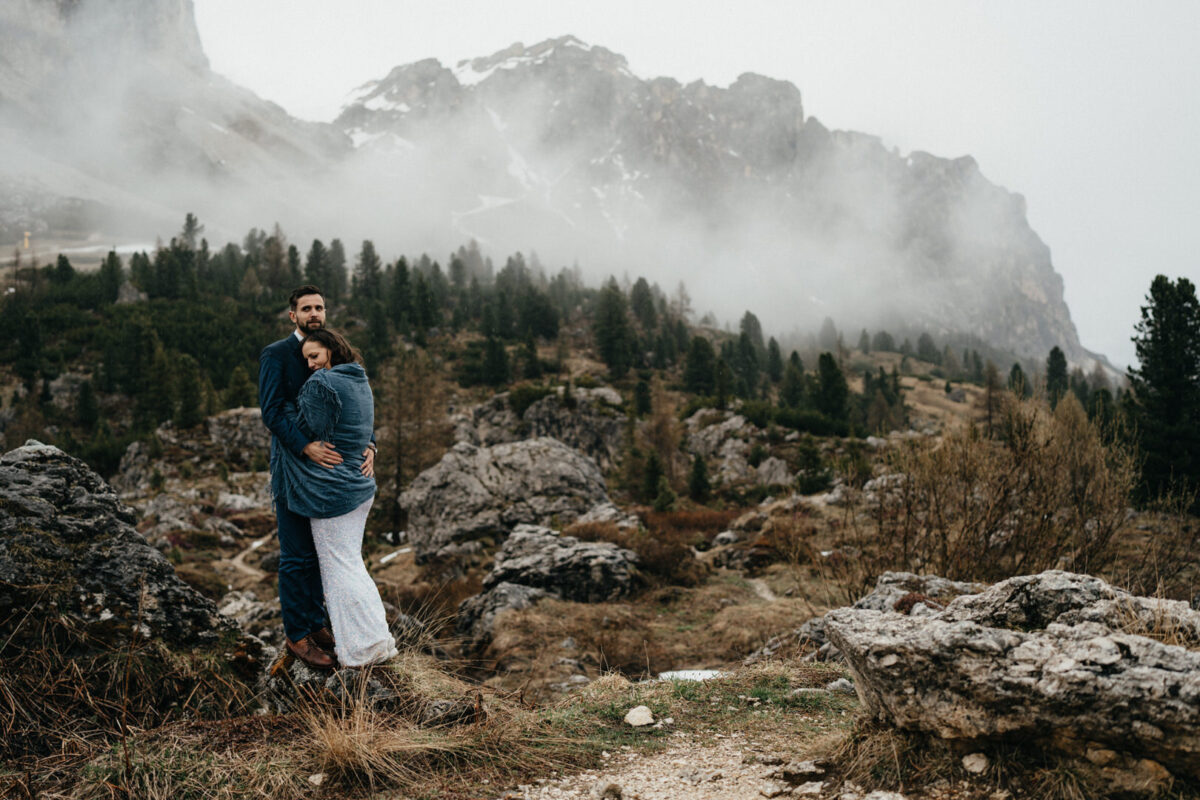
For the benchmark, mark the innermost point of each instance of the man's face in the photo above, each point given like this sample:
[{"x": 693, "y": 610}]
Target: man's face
[{"x": 309, "y": 314}]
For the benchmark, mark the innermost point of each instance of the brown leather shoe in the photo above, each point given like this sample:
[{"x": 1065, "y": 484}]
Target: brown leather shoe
[
  {"x": 308, "y": 652},
  {"x": 323, "y": 638}
]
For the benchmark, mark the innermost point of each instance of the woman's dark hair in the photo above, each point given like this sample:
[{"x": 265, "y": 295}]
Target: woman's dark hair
[{"x": 340, "y": 350}]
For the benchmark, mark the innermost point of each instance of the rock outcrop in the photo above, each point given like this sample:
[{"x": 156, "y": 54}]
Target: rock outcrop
[
  {"x": 77, "y": 585},
  {"x": 592, "y": 422},
  {"x": 586, "y": 572},
  {"x": 901, "y": 592},
  {"x": 476, "y": 492},
  {"x": 536, "y": 562},
  {"x": 210, "y": 478},
  {"x": 67, "y": 546},
  {"x": 1062, "y": 661},
  {"x": 477, "y": 614}
]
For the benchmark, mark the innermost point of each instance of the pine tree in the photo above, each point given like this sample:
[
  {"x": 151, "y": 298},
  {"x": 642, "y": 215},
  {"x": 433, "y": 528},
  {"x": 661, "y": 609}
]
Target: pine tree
[
  {"x": 336, "y": 290},
  {"x": 864, "y": 342},
  {"x": 883, "y": 342},
  {"x": 192, "y": 229},
  {"x": 652, "y": 473},
  {"x": 927, "y": 350},
  {"x": 642, "y": 403},
  {"x": 698, "y": 484},
  {"x": 316, "y": 265},
  {"x": 832, "y": 391},
  {"x": 87, "y": 410},
  {"x": 699, "y": 367},
  {"x": 723, "y": 382},
  {"x": 641, "y": 300},
  {"x": 240, "y": 393},
  {"x": 664, "y": 497},
  {"x": 1165, "y": 397},
  {"x": 495, "y": 362},
  {"x": 112, "y": 275},
  {"x": 611, "y": 329},
  {"x": 190, "y": 410},
  {"x": 531, "y": 367},
  {"x": 1056, "y": 376},
  {"x": 791, "y": 393},
  {"x": 368, "y": 273},
  {"x": 774, "y": 361},
  {"x": 1018, "y": 384}
]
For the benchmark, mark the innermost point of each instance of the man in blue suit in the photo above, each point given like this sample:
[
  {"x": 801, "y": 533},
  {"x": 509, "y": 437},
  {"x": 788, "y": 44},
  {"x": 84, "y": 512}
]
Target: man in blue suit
[{"x": 281, "y": 372}]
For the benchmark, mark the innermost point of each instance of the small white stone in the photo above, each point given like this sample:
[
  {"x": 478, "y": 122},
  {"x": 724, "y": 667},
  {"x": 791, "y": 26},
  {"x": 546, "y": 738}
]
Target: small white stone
[
  {"x": 317, "y": 779},
  {"x": 975, "y": 763},
  {"x": 639, "y": 716}
]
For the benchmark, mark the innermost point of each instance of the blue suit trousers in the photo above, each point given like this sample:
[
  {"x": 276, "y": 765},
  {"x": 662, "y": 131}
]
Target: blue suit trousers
[{"x": 301, "y": 598}]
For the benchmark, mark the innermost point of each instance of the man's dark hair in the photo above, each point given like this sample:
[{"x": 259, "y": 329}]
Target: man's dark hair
[
  {"x": 340, "y": 350},
  {"x": 300, "y": 291}
]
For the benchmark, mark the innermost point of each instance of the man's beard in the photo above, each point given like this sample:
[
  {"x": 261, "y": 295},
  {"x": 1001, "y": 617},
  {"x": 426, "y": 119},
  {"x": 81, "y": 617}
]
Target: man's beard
[{"x": 313, "y": 325}]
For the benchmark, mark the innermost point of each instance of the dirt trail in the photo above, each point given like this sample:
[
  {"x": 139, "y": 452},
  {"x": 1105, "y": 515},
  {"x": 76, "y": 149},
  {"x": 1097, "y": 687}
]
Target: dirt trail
[
  {"x": 238, "y": 562},
  {"x": 699, "y": 767},
  {"x": 762, "y": 590}
]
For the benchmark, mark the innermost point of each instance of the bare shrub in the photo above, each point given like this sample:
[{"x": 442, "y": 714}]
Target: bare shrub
[{"x": 1049, "y": 492}]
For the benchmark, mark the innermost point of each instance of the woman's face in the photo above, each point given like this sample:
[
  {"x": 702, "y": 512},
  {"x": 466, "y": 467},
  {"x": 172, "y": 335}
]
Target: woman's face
[{"x": 316, "y": 354}]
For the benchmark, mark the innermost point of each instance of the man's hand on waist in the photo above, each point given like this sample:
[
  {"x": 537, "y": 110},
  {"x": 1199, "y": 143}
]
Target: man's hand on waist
[{"x": 322, "y": 453}]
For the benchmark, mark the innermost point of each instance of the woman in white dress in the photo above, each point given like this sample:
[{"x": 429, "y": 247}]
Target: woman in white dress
[{"x": 335, "y": 405}]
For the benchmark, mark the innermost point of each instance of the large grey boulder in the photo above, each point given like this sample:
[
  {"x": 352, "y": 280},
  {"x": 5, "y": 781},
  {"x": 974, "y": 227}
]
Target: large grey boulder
[
  {"x": 1053, "y": 659},
  {"x": 476, "y": 492},
  {"x": 68, "y": 546},
  {"x": 78, "y": 585},
  {"x": 586, "y": 572}
]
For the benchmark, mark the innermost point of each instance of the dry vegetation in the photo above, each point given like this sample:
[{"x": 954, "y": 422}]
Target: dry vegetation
[{"x": 350, "y": 749}]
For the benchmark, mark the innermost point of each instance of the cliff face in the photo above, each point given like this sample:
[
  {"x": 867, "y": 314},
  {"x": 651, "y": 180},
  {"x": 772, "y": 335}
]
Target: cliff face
[
  {"x": 111, "y": 120},
  {"x": 112, "y": 106},
  {"x": 571, "y": 153}
]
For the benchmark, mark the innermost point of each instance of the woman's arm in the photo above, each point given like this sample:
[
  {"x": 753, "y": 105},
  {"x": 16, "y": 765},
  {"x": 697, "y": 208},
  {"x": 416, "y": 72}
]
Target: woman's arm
[{"x": 319, "y": 407}]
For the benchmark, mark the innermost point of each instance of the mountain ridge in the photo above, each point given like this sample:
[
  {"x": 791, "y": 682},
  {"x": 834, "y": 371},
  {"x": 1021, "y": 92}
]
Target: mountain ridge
[{"x": 557, "y": 147}]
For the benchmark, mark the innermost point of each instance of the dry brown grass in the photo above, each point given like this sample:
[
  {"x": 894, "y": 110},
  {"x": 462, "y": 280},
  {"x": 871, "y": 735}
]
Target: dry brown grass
[{"x": 877, "y": 756}]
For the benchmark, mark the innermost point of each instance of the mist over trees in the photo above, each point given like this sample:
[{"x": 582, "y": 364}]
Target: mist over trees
[{"x": 173, "y": 336}]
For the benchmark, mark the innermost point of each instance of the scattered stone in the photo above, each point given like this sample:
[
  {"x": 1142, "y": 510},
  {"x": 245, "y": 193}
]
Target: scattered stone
[
  {"x": 317, "y": 779},
  {"x": 639, "y": 716},
  {"x": 841, "y": 686},
  {"x": 775, "y": 790},
  {"x": 696, "y": 776},
  {"x": 724, "y": 538},
  {"x": 975, "y": 763},
  {"x": 809, "y": 789},
  {"x": 606, "y": 790}
]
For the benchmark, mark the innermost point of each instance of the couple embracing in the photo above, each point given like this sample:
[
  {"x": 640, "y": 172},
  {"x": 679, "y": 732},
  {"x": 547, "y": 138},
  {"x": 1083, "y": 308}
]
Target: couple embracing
[{"x": 317, "y": 403}]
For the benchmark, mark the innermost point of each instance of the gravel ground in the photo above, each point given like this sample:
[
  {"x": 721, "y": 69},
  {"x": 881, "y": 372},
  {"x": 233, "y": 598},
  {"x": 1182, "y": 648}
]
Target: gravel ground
[{"x": 691, "y": 768}]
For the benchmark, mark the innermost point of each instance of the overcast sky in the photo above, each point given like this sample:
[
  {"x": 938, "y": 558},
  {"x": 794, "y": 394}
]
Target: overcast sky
[{"x": 1089, "y": 108}]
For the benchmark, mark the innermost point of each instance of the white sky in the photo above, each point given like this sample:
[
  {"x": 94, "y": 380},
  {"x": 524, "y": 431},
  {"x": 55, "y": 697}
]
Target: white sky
[{"x": 1089, "y": 108}]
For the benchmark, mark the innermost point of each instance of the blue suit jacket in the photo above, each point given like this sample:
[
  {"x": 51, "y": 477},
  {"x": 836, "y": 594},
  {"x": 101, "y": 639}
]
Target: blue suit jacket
[{"x": 281, "y": 372}]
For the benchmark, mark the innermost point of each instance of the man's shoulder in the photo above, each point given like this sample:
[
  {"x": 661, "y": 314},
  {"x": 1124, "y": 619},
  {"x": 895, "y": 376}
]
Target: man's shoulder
[{"x": 280, "y": 347}]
